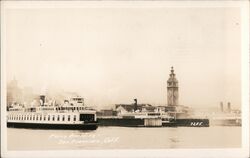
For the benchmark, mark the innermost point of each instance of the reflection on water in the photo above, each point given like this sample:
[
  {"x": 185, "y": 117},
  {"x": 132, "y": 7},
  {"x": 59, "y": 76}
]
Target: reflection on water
[{"x": 124, "y": 138}]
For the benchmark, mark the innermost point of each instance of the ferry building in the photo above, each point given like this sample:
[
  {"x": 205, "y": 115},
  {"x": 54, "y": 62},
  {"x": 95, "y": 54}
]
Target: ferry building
[{"x": 173, "y": 106}]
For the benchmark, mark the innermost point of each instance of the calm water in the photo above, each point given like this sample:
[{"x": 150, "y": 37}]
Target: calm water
[{"x": 124, "y": 138}]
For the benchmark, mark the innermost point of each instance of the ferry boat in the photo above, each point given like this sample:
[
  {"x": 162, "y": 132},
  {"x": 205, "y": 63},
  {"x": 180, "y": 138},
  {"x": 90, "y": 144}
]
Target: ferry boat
[
  {"x": 151, "y": 119},
  {"x": 134, "y": 119},
  {"x": 69, "y": 116}
]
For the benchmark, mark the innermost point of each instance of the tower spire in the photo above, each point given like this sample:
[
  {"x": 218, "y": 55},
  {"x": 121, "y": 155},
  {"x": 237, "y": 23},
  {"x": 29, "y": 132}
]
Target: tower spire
[{"x": 172, "y": 69}]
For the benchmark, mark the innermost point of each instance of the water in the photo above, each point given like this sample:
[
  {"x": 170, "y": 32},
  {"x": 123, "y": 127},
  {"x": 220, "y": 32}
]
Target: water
[{"x": 124, "y": 138}]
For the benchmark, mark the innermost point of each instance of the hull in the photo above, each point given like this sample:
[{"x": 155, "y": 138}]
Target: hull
[
  {"x": 189, "y": 123},
  {"x": 137, "y": 122},
  {"x": 125, "y": 122},
  {"x": 87, "y": 126}
]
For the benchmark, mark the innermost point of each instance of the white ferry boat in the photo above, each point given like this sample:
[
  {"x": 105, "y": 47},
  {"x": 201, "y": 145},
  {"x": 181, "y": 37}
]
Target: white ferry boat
[{"x": 71, "y": 115}]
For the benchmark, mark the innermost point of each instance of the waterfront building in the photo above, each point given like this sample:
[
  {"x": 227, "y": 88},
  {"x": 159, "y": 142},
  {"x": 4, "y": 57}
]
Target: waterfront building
[{"x": 134, "y": 107}]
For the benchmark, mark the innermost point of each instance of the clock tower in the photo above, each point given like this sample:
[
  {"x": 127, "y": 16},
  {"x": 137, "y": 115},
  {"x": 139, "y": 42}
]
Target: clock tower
[{"x": 172, "y": 88}]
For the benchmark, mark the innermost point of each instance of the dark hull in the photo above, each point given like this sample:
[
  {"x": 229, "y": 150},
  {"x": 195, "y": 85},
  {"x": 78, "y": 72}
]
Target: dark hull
[
  {"x": 125, "y": 122},
  {"x": 188, "y": 123},
  {"x": 136, "y": 122},
  {"x": 86, "y": 126}
]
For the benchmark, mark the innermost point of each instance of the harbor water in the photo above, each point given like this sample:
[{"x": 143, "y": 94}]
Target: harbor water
[{"x": 125, "y": 138}]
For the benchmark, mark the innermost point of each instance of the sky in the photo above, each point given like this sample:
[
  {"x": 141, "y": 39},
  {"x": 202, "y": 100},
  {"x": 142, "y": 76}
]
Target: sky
[{"x": 113, "y": 55}]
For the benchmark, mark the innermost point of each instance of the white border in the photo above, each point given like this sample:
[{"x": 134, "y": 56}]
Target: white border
[{"x": 239, "y": 152}]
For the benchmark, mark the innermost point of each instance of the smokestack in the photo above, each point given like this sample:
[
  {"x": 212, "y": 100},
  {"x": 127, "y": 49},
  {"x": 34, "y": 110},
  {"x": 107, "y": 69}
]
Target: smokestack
[
  {"x": 221, "y": 106},
  {"x": 229, "y": 107},
  {"x": 135, "y": 107},
  {"x": 42, "y": 100}
]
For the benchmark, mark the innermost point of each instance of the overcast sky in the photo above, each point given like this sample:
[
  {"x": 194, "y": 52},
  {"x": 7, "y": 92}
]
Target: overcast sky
[{"x": 113, "y": 55}]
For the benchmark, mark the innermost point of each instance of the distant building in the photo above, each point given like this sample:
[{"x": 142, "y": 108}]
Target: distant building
[
  {"x": 14, "y": 93},
  {"x": 131, "y": 107},
  {"x": 106, "y": 112},
  {"x": 172, "y": 89},
  {"x": 19, "y": 95},
  {"x": 173, "y": 107}
]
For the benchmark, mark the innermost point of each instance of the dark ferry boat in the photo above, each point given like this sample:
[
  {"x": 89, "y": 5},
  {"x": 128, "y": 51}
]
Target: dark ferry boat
[{"x": 69, "y": 116}]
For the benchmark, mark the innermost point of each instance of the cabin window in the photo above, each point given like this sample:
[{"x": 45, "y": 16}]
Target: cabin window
[
  {"x": 33, "y": 117},
  {"x": 68, "y": 117},
  {"x": 37, "y": 117},
  {"x": 74, "y": 117},
  {"x": 48, "y": 117},
  {"x": 58, "y": 118},
  {"x": 44, "y": 118},
  {"x": 87, "y": 117},
  {"x": 53, "y": 118},
  {"x": 40, "y": 117},
  {"x": 63, "y": 118},
  {"x": 30, "y": 117}
]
